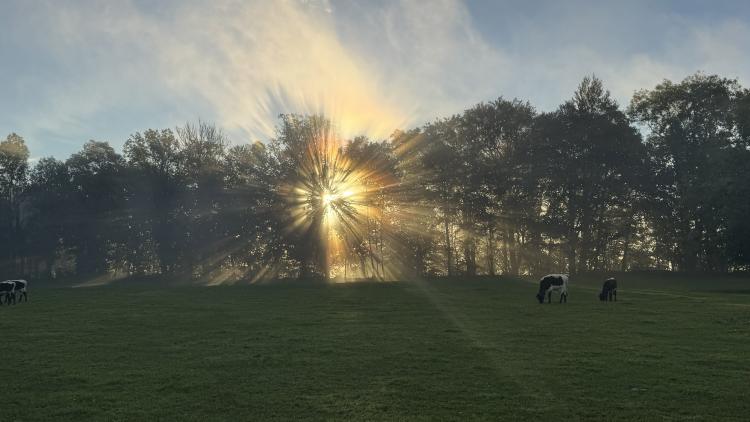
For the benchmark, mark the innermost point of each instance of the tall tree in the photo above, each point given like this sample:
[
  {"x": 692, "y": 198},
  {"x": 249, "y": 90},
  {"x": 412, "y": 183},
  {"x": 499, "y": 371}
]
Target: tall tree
[
  {"x": 304, "y": 147},
  {"x": 202, "y": 155},
  {"x": 50, "y": 195},
  {"x": 695, "y": 128},
  {"x": 14, "y": 156},
  {"x": 443, "y": 179},
  {"x": 251, "y": 218},
  {"x": 492, "y": 134},
  {"x": 156, "y": 182},
  {"x": 589, "y": 159},
  {"x": 98, "y": 217}
]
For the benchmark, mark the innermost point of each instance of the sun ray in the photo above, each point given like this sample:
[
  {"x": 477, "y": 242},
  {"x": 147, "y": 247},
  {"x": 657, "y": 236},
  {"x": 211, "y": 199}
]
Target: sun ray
[{"x": 335, "y": 198}]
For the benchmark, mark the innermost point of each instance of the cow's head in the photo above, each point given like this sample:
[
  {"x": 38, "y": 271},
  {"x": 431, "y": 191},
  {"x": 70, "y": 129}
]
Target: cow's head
[
  {"x": 544, "y": 285},
  {"x": 602, "y": 296}
]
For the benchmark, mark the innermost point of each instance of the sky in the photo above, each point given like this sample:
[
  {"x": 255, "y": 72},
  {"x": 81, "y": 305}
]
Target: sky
[{"x": 71, "y": 71}]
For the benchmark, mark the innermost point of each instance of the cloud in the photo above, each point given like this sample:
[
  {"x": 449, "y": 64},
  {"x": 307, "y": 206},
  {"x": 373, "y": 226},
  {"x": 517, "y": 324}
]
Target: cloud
[
  {"x": 242, "y": 63},
  {"x": 629, "y": 49},
  {"x": 429, "y": 55},
  {"x": 81, "y": 70},
  {"x": 252, "y": 61}
]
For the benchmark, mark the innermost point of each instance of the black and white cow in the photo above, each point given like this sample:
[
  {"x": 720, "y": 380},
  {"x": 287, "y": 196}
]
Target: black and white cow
[
  {"x": 609, "y": 290},
  {"x": 551, "y": 282},
  {"x": 20, "y": 289},
  {"x": 7, "y": 289}
]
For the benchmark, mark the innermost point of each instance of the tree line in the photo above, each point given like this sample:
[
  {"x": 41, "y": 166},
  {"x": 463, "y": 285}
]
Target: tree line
[{"x": 498, "y": 189}]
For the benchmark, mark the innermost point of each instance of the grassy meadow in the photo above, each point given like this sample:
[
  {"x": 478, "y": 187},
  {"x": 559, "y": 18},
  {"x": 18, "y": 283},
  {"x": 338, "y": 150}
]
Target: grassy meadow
[{"x": 672, "y": 348}]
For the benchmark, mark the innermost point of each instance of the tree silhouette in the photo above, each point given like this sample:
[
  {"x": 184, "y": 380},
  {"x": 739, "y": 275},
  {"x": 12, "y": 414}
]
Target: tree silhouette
[{"x": 496, "y": 189}]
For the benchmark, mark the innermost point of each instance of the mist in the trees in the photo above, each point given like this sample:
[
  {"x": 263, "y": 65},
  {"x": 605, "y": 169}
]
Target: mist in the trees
[{"x": 498, "y": 189}]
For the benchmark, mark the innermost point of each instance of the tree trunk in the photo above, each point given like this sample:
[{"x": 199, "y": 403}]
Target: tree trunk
[
  {"x": 506, "y": 253},
  {"x": 370, "y": 247},
  {"x": 626, "y": 251},
  {"x": 363, "y": 265},
  {"x": 490, "y": 251},
  {"x": 586, "y": 243},
  {"x": 448, "y": 247},
  {"x": 572, "y": 237},
  {"x": 512, "y": 247},
  {"x": 470, "y": 256},
  {"x": 382, "y": 254}
]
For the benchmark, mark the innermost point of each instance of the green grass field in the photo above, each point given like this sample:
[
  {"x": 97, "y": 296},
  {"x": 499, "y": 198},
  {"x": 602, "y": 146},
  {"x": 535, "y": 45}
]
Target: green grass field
[{"x": 671, "y": 349}]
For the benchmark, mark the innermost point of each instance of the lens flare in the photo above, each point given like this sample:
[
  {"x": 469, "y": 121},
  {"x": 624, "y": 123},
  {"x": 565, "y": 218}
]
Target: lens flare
[{"x": 334, "y": 204}]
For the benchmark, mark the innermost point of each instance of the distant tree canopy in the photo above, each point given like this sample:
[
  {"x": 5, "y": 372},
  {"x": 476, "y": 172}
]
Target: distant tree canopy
[{"x": 497, "y": 189}]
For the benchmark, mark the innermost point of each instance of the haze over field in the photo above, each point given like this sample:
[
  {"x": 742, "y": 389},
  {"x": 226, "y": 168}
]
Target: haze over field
[{"x": 77, "y": 70}]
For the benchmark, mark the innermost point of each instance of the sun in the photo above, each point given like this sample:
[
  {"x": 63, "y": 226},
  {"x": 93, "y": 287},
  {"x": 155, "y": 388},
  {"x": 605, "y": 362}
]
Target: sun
[
  {"x": 337, "y": 201},
  {"x": 330, "y": 199},
  {"x": 332, "y": 204}
]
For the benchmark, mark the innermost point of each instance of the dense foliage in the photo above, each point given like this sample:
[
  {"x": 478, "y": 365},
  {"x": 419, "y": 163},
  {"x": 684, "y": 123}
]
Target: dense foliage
[{"x": 499, "y": 188}]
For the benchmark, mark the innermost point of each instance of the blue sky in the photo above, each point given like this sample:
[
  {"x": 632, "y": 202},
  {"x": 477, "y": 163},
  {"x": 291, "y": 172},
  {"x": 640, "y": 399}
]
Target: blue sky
[{"x": 78, "y": 70}]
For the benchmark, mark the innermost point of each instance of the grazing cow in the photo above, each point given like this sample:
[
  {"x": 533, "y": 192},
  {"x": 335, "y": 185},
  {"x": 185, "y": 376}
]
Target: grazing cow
[
  {"x": 21, "y": 290},
  {"x": 551, "y": 282},
  {"x": 609, "y": 290},
  {"x": 6, "y": 290}
]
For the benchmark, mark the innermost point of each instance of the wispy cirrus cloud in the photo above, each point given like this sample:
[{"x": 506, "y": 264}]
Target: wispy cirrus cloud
[
  {"x": 241, "y": 64},
  {"x": 77, "y": 70}
]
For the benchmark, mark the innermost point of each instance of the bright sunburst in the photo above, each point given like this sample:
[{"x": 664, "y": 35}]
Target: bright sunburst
[{"x": 330, "y": 201}]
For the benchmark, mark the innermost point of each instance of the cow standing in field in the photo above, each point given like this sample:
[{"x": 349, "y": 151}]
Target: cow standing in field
[
  {"x": 551, "y": 282},
  {"x": 17, "y": 286},
  {"x": 20, "y": 289},
  {"x": 609, "y": 290},
  {"x": 6, "y": 290}
]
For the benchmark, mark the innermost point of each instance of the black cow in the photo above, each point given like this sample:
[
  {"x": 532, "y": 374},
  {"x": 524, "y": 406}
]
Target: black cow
[
  {"x": 552, "y": 282},
  {"x": 609, "y": 290},
  {"x": 6, "y": 290},
  {"x": 21, "y": 290}
]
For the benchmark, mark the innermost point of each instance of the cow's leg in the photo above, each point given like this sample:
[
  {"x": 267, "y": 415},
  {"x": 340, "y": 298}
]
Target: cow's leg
[
  {"x": 614, "y": 293},
  {"x": 549, "y": 297},
  {"x": 25, "y": 296}
]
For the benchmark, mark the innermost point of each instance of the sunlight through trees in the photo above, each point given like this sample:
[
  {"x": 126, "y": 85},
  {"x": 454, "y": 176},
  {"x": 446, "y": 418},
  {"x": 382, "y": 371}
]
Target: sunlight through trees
[{"x": 497, "y": 189}]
